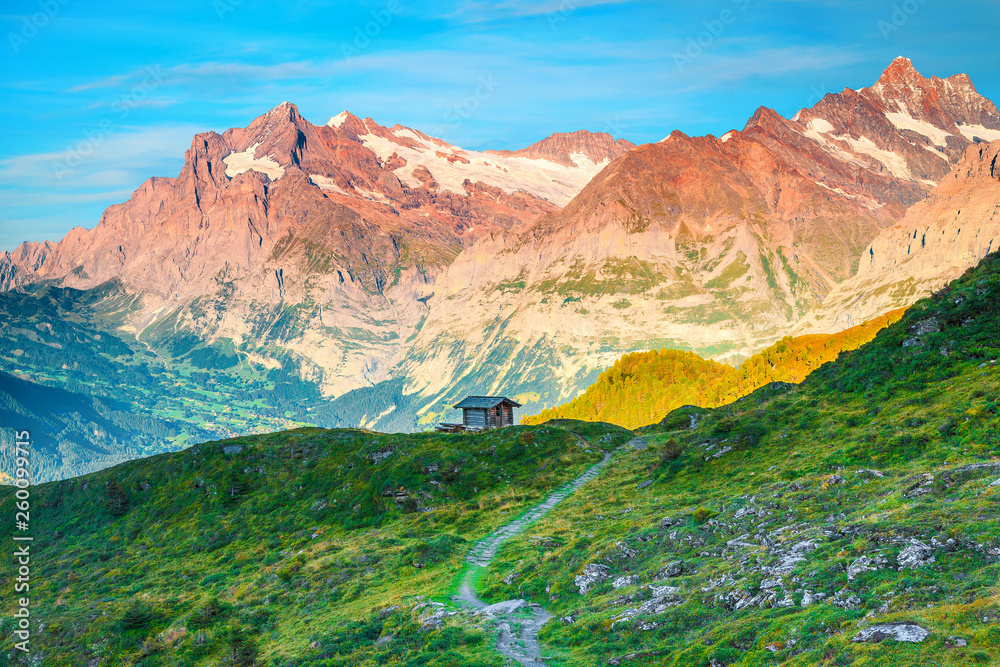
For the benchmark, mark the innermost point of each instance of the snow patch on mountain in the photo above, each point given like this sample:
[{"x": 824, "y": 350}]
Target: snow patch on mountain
[
  {"x": 896, "y": 164},
  {"x": 328, "y": 184},
  {"x": 819, "y": 125},
  {"x": 451, "y": 167},
  {"x": 237, "y": 163},
  {"x": 970, "y": 132},
  {"x": 904, "y": 121},
  {"x": 338, "y": 120}
]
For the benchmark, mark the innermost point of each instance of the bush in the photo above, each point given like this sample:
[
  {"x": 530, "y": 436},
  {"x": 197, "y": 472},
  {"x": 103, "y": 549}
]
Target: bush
[
  {"x": 138, "y": 616},
  {"x": 207, "y": 614},
  {"x": 242, "y": 649},
  {"x": 702, "y": 514},
  {"x": 670, "y": 451}
]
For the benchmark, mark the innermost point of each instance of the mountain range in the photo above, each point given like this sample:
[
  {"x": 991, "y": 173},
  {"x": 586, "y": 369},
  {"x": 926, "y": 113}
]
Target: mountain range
[{"x": 372, "y": 276}]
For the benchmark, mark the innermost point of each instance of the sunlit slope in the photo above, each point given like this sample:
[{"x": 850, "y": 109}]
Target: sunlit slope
[{"x": 644, "y": 386}]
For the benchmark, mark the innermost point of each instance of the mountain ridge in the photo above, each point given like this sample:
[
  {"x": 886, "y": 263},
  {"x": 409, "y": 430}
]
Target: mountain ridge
[{"x": 396, "y": 273}]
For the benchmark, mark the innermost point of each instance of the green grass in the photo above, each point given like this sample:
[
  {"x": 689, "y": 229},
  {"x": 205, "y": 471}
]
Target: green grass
[{"x": 297, "y": 535}]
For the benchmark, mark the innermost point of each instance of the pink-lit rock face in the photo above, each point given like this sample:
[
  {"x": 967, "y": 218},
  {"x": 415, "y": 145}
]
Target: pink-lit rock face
[{"x": 369, "y": 252}]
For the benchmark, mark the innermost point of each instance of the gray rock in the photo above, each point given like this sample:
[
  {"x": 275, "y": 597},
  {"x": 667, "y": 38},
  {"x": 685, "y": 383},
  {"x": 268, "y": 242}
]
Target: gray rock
[
  {"x": 845, "y": 600},
  {"x": 925, "y": 326},
  {"x": 664, "y": 591},
  {"x": 660, "y": 604},
  {"x": 866, "y": 564},
  {"x": 643, "y": 485},
  {"x": 232, "y": 449},
  {"x": 786, "y": 564},
  {"x": 674, "y": 569},
  {"x": 668, "y": 521},
  {"x": 434, "y": 621},
  {"x": 921, "y": 487},
  {"x": 956, "y": 642},
  {"x": 505, "y": 608},
  {"x": 900, "y": 632},
  {"x": 787, "y": 601},
  {"x": 916, "y": 555},
  {"x": 626, "y": 551},
  {"x": 949, "y": 544},
  {"x": 622, "y": 582},
  {"x": 380, "y": 455},
  {"x": 593, "y": 574}
]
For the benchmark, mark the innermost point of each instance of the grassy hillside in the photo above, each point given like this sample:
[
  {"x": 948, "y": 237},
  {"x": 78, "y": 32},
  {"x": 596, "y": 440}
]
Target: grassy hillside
[
  {"x": 286, "y": 549},
  {"x": 643, "y": 386},
  {"x": 786, "y": 523}
]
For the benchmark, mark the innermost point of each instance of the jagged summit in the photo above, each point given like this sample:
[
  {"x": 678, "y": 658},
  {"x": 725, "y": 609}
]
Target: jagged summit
[{"x": 900, "y": 70}]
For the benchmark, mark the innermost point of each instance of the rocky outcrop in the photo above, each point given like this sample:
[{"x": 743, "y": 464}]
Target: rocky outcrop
[
  {"x": 900, "y": 632},
  {"x": 938, "y": 239},
  {"x": 917, "y": 554},
  {"x": 592, "y": 574}
]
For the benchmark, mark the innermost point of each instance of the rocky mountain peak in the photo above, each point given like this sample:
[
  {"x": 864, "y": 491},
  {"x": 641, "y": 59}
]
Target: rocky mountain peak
[
  {"x": 561, "y": 147},
  {"x": 946, "y": 103},
  {"x": 764, "y": 118},
  {"x": 901, "y": 71}
]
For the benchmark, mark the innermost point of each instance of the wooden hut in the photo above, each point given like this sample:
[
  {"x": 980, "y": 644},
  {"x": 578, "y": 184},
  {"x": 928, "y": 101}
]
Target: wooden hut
[{"x": 482, "y": 412}]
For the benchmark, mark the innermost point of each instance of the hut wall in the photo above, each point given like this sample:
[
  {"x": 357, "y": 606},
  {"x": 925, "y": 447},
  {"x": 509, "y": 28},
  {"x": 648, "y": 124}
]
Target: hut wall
[{"x": 474, "y": 417}]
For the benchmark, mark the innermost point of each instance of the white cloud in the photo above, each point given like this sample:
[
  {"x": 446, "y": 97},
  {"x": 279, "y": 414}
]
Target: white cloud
[{"x": 100, "y": 159}]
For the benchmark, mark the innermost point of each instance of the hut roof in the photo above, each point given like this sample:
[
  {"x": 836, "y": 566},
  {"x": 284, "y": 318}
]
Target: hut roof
[{"x": 486, "y": 402}]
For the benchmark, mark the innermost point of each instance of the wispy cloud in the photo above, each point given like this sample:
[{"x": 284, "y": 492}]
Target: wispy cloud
[
  {"x": 479, "y": 12},
  {"x": 712, "y": 70}
]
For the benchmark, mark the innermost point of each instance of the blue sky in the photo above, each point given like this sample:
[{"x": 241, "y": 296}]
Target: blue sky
[{"x": 98, "y": 96}]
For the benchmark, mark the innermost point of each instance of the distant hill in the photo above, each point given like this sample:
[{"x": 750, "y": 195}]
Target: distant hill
[
  {"x": 72, "y": 434},
  {"x": 642, "y": 387}
]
